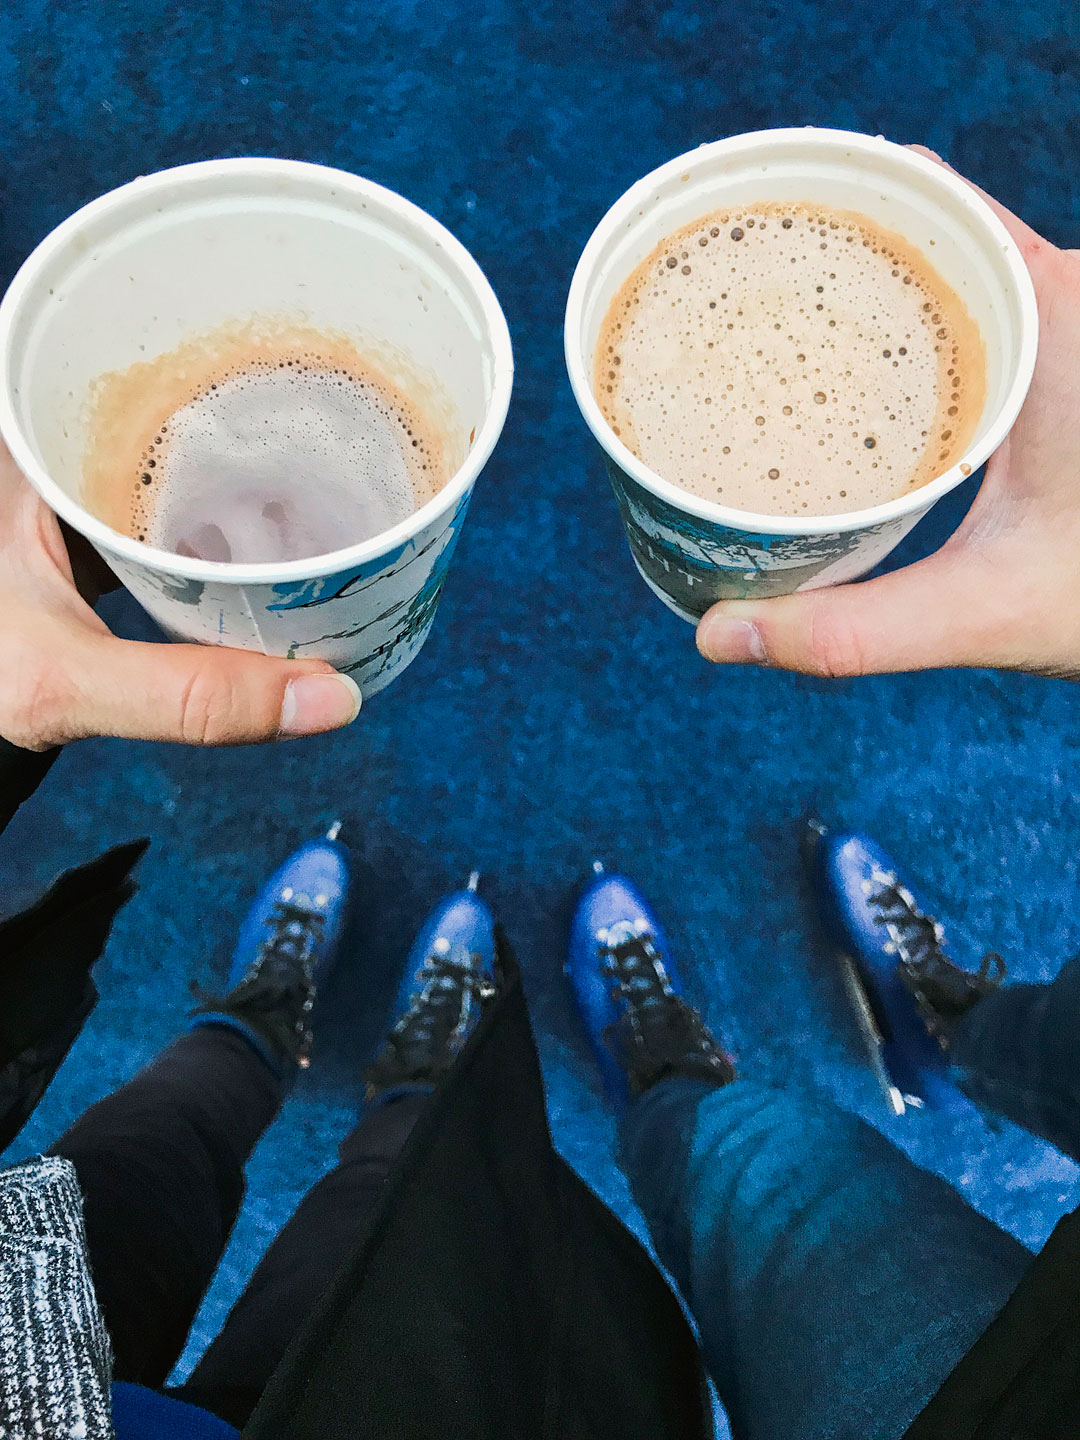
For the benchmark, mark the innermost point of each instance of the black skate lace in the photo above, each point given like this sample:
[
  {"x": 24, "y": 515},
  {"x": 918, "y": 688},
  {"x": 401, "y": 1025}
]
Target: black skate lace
[
  {"x": 658, "y": 1030},
  {"x": 422, "y": 1043},
  {"x": 918, "y": 937},
  {"x": 918, "y": 940},
  {"x": 284, "y": 958},
  {"x": 282, "y": 969}
]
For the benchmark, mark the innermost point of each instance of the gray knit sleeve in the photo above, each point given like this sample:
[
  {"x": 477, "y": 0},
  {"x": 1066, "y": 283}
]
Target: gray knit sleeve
[{"x": 55, "y": 1359}]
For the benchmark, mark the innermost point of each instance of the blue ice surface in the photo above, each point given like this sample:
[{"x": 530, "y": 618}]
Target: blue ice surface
[{"x": 558, "y": 711}]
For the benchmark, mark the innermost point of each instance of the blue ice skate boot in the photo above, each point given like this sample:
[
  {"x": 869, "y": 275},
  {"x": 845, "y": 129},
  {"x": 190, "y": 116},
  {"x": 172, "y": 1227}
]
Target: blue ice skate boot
[
  {"x": 448, "y": 980},
  {"x": 285, "y": 949},
  {"x": 628, "y": 992},
  {"x": 907, "y": 993}
]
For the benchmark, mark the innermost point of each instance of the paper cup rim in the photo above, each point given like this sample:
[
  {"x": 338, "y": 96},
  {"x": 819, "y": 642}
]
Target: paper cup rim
[
  {"x": 163, "y": 561},
  {"x": 749, "y": 521}
]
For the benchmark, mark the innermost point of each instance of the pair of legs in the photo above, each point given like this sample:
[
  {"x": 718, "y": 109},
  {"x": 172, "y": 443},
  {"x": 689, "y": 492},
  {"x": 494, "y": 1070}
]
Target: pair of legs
[
  {"x": 161, "y": 1166},
  {"x": 161, "y": 1162},
  {"x": 835, "y": 1284}
]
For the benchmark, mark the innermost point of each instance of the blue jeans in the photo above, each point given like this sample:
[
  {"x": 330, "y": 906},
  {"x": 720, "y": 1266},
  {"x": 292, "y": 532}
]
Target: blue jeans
[{"x": 835, "y": 1284}]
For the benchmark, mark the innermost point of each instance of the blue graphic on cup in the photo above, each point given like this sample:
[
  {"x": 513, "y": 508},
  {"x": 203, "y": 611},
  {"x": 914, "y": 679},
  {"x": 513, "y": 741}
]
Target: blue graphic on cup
[
  {"x": 369, "y": 620},
  {"x": 392, "y": 635},
  {"x": 691, "y": 562}
]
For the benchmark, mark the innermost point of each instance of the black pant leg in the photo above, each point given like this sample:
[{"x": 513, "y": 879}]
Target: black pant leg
[
  {"x": 1017, "y": 1052},
  {"x": 301, "y": 1264},
  {"x": 161, "y": 1167}
]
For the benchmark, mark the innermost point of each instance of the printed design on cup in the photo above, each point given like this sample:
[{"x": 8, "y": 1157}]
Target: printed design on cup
[
  {"x": 398, "y": 630},
  {"x": 692, "y": 562},
  {"x": 323, "y": 589},
  {"x": 182, "y": 589},
  {"x": 369, "y": 621}
]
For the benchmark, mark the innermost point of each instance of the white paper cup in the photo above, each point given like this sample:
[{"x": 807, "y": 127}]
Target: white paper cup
[
  {"x": 183, "y": 253},
  {"x": 693, "y": 552}
]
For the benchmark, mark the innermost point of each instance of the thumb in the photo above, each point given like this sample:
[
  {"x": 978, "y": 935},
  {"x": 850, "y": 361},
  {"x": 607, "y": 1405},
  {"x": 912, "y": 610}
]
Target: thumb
[
  {"x": 198, "y": 695},
  {"x": 945, "y": 610}
]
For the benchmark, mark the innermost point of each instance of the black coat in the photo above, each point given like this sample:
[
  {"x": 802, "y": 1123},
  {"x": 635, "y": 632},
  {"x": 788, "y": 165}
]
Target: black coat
[
  {"x": 47, "y": 953},
  {"x": 494, "y": 1296}
]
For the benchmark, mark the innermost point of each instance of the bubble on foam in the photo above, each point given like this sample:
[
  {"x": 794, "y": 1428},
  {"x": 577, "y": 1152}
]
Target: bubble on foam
[
  {"x": 811, "y": 326},
  {"x": 281, "y": 461}
]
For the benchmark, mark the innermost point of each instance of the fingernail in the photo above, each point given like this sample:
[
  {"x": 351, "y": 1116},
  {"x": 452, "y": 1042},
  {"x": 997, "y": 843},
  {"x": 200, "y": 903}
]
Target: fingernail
[
  {"x": 314, "y": 703},
  {"x": 730, "y": 641}
]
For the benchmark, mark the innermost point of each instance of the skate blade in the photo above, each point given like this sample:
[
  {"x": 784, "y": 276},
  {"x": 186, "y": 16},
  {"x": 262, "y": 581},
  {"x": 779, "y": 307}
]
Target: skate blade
[{"x": 872, "y": 1036}]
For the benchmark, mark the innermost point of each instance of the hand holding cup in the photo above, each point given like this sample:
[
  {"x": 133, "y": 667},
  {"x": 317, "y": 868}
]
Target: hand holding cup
[
  {"x": 254, "y": 341},
  {"x": 66, "y": 676},
  {"x": 1004, "y": 590}
]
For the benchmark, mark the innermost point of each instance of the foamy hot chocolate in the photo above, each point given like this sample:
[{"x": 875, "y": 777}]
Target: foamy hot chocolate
[
  {"x": 790, "y": 360},
  {"x": 257, "y": 445}
]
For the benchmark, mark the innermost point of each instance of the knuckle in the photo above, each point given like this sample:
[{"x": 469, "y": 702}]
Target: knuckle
[
  {"x": 36, "y": 704},
  {"x": 835, "y": 649},
  {"x": 206, "y": 708},
  {"x": 223, "y": 704}
]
